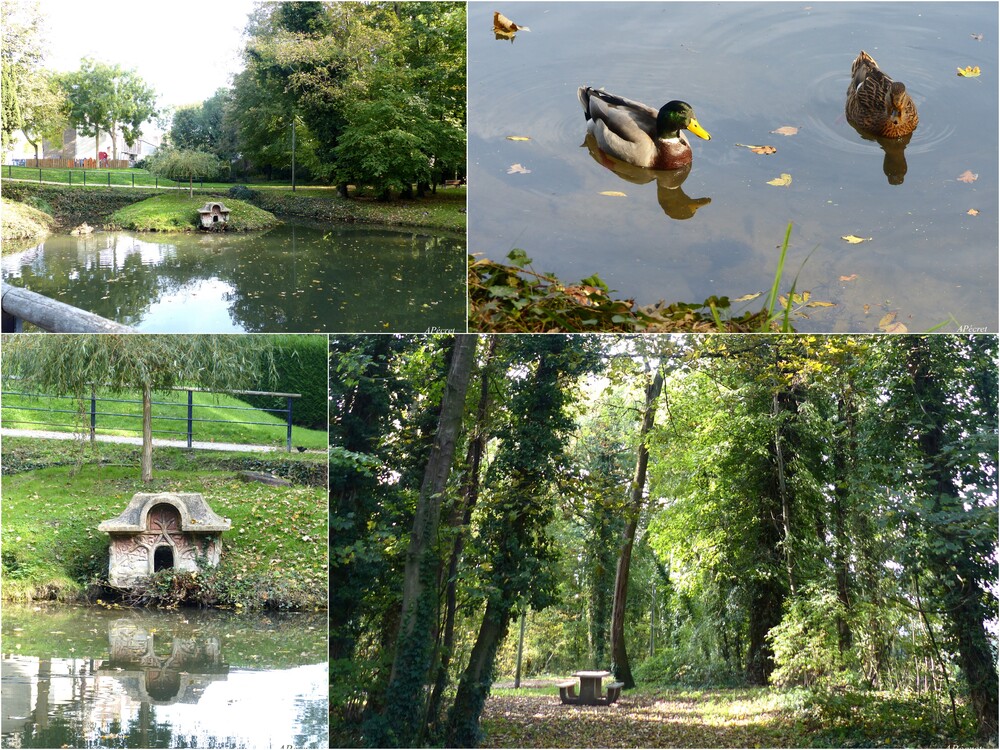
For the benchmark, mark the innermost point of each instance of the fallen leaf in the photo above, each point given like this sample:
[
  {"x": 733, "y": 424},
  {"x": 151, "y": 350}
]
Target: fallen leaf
[
  {"x": 896, "y": 328},
  {"x": 517, "y": 169},
  {"x": 852, "y": 277},
  {"x": 518, "y": 138},
  {"x": 614, "y": 193},
  {"x": 748, "y": 297},
  {"x": 785, "y": 179},
  {"x": 786, "y": 130},
  {"x": 977, "y": 37},
  {"x": 854, "y": 240},
  {"x": 502, "y": 23},
  {"x": 967, "y": 176},
  {"x": 867, "y": 308},
  {"x": 759, "y": 149},
  {"x": 969, "y": 72},
  {"x": 973, "y": 212},
  {"x": 886, "y": 320}
]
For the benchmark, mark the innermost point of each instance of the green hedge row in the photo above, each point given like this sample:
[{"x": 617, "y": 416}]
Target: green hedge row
[
  {"x": 71, "y": 206},
  {"x": 301, "y": 362}
]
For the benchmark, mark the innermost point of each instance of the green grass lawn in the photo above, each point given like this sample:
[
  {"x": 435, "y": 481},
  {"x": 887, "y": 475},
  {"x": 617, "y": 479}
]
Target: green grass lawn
[
  {"x": 169, "y": 418},
  {"x": 52, "y": 548},
  {"x": 177, "y": 212}
]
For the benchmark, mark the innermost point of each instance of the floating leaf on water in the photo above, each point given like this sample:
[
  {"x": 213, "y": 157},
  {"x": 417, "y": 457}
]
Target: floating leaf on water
[
  {"x": 786, "y": 130},
  {"x": 614, "y": 193},
  {"x": 896, "y": 328},
  {"x": 969, "y": 72},
  {"x": 785, "y": 179},
  {"x": 503, "y": 24},
  {"x": 853, "y": 239},
  {"x": 977, "y": 37},
  {"x": 852, "y": 277},
  {"x": 967, "y": 176},
  {"x": 973, "y": 212},
  {"x": 759, "y": 149},
  {"x": 887, "y": 319},
  {"x": 518, "y": 138},
  {"x": 748, "y": 297},
  {"x": 518, "y": 169}
]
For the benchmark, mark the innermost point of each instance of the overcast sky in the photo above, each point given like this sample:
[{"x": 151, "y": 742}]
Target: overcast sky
[{"x": 184, "y": 49}]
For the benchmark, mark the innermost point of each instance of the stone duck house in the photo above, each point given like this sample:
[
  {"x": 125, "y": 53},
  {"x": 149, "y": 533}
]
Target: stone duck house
[{"x": 158, "y": 531}]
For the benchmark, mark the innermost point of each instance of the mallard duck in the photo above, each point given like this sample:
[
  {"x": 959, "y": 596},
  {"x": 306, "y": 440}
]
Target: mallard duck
[
  {"x": 876, "y": 103},
  {"x": 636, "y": 133}
]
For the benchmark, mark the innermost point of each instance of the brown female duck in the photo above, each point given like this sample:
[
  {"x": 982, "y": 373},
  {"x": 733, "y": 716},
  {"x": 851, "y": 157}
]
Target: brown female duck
[
  {"x": 636, "y": 133},
  {"x": 876, "y": 103}
]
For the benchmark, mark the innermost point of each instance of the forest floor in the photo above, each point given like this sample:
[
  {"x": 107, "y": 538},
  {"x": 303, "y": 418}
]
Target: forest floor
[{"x": 750, "y": 717}]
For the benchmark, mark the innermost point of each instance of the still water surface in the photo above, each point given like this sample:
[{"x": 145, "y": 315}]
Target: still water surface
[
  {"x": 295, "y": 278},
  {"x": 747, "y": 69},
  {"x": 89, "y": 677}
]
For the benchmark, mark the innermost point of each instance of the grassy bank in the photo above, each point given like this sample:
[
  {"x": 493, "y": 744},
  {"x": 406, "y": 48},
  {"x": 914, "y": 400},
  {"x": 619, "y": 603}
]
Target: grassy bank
[
  {"x": 21, "y": 221},
  {"x": 177, "y": 212},
  {"x": 71, "y": 206},
  {"x": 274, "y": 556},
  {"x": 169, "y": 418}
]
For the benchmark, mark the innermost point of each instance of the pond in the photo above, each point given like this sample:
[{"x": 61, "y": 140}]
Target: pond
[
  {"x": 298, "y": 278},
  {"x": 747, "y": 69},
  {"x": 95, "y": 677}
]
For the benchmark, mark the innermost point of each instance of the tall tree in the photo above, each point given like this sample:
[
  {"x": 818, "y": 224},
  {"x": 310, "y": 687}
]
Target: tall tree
[
  {"x": 74, "y": 364},
  {"x": 43, "y": 114},
  {"x": 107, "y": 98},
  {"x": 21, "y": 53},
  {"x": 633, "y": 510},
  {"x": 413, "y": 661}
]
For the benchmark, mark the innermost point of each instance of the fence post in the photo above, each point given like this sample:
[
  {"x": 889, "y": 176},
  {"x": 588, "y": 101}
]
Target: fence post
[
  {"x": 133, "y": 179},
  {"x": 39, "y": 174},
  {"x": 109, "y": 178},
  {"x": 288, "y": 444},
  {"x": 93, "y": 413},
  {"x": 70, "y": 175},
  {"x": 84, "y": 176},
  {"x": 190, "y": 417}
]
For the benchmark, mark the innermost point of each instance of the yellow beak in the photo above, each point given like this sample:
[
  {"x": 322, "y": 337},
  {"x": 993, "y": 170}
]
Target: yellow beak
[{"x": 698, "y": 130}]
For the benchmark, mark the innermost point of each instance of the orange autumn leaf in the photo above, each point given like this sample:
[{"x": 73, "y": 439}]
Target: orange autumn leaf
[
  {"x": 852, "y": 277},
  {"x": 503, "y": 24},
  {"x": 967, "y": 176},
  {"x": 786, "y": 130},
  {"x": 759, "y": 149},
  {"x": 517, "y": 169},
  {"x": 969, "y": 72},
  {"x": 973, "y": 212}
]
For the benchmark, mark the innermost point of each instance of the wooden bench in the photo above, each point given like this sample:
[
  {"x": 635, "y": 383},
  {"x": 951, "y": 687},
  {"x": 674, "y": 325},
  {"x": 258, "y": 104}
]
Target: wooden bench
[
  {"x": 453, "y": 183},
  {"x": 614, "y": 690},
  {"x": 567, "y": 691}
]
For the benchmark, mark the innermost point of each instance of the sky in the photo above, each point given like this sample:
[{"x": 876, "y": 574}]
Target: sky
[{"x": 184, "y": 49}]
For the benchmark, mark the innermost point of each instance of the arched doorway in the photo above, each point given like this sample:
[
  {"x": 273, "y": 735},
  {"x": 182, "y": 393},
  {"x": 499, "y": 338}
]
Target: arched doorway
[{"x": 163, "y": 558}]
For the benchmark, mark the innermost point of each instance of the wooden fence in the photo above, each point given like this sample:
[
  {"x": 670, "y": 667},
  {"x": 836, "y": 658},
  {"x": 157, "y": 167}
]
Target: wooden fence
[{"x": 77, "y": 163}]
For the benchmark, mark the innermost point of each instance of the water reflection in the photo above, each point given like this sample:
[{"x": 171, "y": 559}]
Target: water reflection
[
  {"x": 86, "y": 677},
  {"x": 669, "y": 194},
  {"x": 296, "y": 278},
  {"x": 894, "y": 161}
]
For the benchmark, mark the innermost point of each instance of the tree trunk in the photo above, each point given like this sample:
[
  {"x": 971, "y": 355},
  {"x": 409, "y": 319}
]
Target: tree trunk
[
  {"x": 778, "y": 409},
  {"x": 474, "y": 687},
  {"x": 461, "y": 517},
  {"x": 405, "y": 697},
  {"x": 147, "y": 434},
  {"x": 619, "y": 654}
]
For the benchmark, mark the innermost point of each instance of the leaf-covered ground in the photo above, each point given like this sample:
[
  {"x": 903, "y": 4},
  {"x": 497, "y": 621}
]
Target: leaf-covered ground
[
  {"x": 659, "y": 717},
  {"x": 712, "y": 719}
]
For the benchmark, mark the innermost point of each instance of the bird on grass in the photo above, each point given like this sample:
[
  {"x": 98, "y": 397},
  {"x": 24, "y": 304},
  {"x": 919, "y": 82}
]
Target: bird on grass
[
  {"x": 638, "y": 134},
  {"x": 877, "y": 104}
]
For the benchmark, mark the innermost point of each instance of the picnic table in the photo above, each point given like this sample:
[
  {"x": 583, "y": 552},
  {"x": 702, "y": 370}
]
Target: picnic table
[{"x": 590, "y": 689}]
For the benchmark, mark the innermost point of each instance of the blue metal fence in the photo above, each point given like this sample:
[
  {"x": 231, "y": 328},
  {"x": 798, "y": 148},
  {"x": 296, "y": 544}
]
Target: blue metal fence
[{"x": 188, "y": 419}]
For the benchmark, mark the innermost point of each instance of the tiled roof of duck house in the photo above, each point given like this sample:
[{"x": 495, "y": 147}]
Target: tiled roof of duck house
[{"x": 158, "y": 531}]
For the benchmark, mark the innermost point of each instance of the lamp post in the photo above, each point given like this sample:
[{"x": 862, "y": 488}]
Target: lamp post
[{"x": 293, "y": 154}]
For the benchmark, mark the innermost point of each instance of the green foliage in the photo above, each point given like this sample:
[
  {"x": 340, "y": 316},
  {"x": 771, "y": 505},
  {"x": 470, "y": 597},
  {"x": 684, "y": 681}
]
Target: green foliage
[
  {"x": 185, "y": 164},
  {"x": 516, "y": 299},
  {"x": 805, "y": 645},
  {"x": 681, "y": 667},
  {"x": 107, "y": 98},
  {"x": 301, "y": 364}
]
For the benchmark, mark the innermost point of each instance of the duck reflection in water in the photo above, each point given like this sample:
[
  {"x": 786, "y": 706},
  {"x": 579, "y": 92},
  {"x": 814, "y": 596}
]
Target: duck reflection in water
[
  {"x": 894, "y": 163},
  {"x": 669, "y": 194}
]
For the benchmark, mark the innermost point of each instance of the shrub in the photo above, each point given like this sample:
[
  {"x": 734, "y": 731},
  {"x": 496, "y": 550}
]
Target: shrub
[
  {"x": 805, "y": 643},
  {"x": 301, "y": 362},
  {"x": 242, "y": 192}
]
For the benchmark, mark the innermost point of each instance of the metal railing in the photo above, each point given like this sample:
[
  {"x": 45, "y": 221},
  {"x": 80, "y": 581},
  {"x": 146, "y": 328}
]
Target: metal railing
[
  {"x": 20, "y": 306},
  {"x": 188, "y": 419}
]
